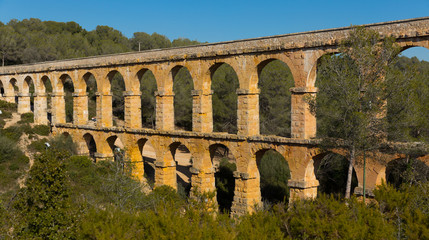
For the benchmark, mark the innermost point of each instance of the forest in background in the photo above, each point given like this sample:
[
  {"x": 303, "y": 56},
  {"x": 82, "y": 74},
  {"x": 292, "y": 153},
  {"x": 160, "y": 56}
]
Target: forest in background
[
  {"x": 113, "y": 204},
  {"x": 32, "y": 40}
]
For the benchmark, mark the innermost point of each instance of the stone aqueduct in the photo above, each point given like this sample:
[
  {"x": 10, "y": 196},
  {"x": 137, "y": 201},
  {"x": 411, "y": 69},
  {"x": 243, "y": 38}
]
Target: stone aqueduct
[{"x": 299, "y": 51}]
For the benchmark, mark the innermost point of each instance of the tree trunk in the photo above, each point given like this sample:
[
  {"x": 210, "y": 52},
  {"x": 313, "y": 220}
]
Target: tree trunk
[{"x": 350, "y": 173}]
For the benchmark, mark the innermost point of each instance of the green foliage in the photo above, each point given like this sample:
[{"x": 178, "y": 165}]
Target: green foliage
[
  {"x": 275, "y": 80},
  {"x": 146, "y": 41},
  {"x": 63, "y": 143},
  {"x": 3, "y": 220},
  {"x": 275, "y": 173},
  {"x": 33, "y": 40},
  {"x": 7, "y": 106},
  {"x": 13, "y": 164},
  {"x": 224, "y": 86},
  {"x": 260, "y": 225},
  {"x": 27, "y": 118},
  {"x": 14, "y": 132},
  {"x": 6, "y": 114},
  {"x": 181, "y": 42},
  {"x": 43, "y": 130},
  {"x": 407, "y": 209},
  {"x": 37, "y": 146},
  {"x": 103, "y": 184},
  {"x": 86, "y": 178},
  {"x": 326, "y": 218},
  {"x": 408, "y": 106},
  {"x": 163, "y": 220},
  {"x": 107, "y": 40},
  {"x": 60, "y": 143},
  {"x": 7, "y": 110},
  {"x": 352, "y": 94},
  {"x": 351, "y": 91},
  {"x": 9, "y": 45},
  {"x": 44, "y": 204}
]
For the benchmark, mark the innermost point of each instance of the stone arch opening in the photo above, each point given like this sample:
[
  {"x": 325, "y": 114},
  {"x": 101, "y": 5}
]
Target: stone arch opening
[
  {"x": 182, "y": 88},
  {"x": 15, "y": 89},
  {"x": 46, "y": 89},
  {"x": 407, "y": 170},
  {"x": 331, "y": 170},
  {"x": 91, "y": 145},
  {"x": 117, "y": 148},
  {"x": 148, "y": 87},
  {"x": 408, "y": 83},
  {"x": 274, "y": 173},
  {"x": 275, "y": 82},
  {"x": 67, "y": 88},
  {"x": 1, "y": 89},
  {"x": 224, "y": 164},
  {"x": 415, "y": 51},
  {"x": 224, "y": 84},
  {"x": 148, "y": 154},
  {"x": 91, "y": 90},
  {"x": 183, "y": 158},
  {"x": 117, "y": 89},
  {"x": 28, "y": 88}
]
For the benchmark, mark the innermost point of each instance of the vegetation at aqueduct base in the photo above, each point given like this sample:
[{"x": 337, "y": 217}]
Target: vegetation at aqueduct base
[{"x": 65, "y": 196}]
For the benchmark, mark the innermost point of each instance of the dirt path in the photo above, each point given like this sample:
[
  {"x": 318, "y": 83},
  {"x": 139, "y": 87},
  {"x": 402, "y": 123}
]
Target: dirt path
[
  {"x": 12, "y": 121},
  {"x": 23, "y": 143}
]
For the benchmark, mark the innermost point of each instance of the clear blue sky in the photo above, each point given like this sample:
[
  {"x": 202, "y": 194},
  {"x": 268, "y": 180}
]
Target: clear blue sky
[{"x": 217, "y": 20}]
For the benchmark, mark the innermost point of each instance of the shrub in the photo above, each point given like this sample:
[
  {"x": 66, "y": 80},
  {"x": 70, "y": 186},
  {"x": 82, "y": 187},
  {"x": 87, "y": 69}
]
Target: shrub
[
  {"x": 60, "y": 143},
  {"x": 260, "y": 225},
  {"x": 104, "y": 183},
  {"x": 37, "y": 146},
  {"x": 6, "y": 114},
  {"x": 63, "y": 143},
  {"x": 11, "y": 107},
  {"x": 169, "y": 217},
  {"x": 86, "y": 179},
  {"x": 42, "y": 130},
  {"x": 13, "y": 164},
  {"x": 328, "y": 218},
  {"x": 15, "y": 132},
  {"x": 27, "y": 118},
  {"x": 407, "y": 209}
]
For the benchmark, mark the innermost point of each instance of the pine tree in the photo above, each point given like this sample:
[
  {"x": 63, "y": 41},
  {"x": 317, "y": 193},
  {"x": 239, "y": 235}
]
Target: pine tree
[
  {"x": 44, "y": 204},
  {"x": 351, "y": 103}
]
